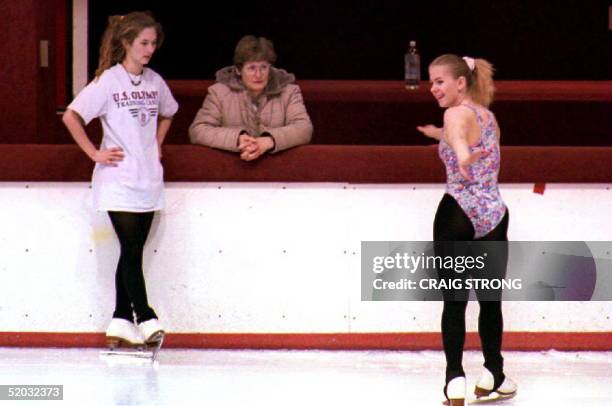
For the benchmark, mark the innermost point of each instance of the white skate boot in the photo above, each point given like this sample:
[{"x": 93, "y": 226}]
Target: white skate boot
[
  {"x": 153, "y": 334},
  {"x": 484, "y": 388},
  {"x": 123, "y": 333},
  {"x": 455, "y": 392},
  {"x": 152, "y": 331}
]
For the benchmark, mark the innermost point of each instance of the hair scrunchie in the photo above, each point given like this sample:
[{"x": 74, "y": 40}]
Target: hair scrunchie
[{"x": 471, "y": 63}]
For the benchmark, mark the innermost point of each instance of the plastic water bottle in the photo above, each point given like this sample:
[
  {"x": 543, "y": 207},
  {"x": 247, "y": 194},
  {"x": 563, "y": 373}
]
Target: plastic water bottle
[{"x": 412, "y": 67}]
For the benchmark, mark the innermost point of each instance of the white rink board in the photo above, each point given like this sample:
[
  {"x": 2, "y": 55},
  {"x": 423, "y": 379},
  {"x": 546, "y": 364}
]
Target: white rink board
[{"x": 263, "y": 257}]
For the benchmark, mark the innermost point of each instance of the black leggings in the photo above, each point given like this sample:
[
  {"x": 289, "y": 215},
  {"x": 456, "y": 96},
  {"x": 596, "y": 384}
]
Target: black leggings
[
  {"x": 452, "y": 224},
  {"x": 131, "y": 294}
]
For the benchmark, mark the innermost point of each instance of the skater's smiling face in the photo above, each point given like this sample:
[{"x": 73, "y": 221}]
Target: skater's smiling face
[{"x": 448, "y": 90}]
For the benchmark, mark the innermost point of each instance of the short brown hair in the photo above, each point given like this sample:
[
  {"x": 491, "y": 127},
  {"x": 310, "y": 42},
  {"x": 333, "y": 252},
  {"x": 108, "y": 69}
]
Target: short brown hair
[{"x": 251, "y": 48}]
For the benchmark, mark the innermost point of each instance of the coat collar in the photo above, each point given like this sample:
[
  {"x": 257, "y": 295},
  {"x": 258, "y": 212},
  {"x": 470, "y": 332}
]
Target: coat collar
[{"x": 278, "y": 80}]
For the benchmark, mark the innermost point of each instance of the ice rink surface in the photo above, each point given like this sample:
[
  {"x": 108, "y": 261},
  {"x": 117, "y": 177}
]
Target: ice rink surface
[{"x": 256, "y": 377}]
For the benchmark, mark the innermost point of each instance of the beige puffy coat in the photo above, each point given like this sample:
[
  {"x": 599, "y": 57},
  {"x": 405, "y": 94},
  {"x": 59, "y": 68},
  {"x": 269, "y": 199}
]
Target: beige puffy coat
[{"x": 227, "y": 110}]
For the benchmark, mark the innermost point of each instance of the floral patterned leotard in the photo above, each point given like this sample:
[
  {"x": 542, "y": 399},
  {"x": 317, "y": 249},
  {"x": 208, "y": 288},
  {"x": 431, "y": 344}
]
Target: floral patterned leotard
[{"x": 479, "y": 198}]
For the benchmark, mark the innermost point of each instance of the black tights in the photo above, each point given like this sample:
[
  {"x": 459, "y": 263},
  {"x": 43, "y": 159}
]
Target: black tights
[
  {"x": 132, "y": 230},
  {"x": 452, "y": 224}
]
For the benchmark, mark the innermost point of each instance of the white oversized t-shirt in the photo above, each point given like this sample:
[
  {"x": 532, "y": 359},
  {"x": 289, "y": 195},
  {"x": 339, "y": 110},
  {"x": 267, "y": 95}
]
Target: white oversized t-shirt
[{"x": 129, "y": 116}]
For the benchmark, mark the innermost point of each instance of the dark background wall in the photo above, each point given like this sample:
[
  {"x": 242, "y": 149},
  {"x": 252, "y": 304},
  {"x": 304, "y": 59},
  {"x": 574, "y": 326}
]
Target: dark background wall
[
  {"x": 21, "y": 68},
  {"x": 27, "y": 90},
  {"x": 539, "y": 40},
  {"x": 547, "y": 40}
]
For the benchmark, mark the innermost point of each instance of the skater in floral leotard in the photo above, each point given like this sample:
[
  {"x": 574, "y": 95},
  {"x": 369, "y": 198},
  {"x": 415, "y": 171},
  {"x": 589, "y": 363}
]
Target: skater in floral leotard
[{"x": 472, "y": 209}]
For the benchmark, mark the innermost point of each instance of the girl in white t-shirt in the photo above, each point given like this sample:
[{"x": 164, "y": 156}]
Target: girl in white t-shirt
[{"x": 135, "y": 107}]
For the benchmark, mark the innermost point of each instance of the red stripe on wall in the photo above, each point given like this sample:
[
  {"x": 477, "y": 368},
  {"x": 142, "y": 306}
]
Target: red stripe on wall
[{"x": 513, "y": 341}]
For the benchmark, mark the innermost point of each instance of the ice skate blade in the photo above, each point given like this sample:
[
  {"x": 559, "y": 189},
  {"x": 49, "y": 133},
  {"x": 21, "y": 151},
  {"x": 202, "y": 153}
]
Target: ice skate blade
[
  {"x": 135, "y": 352},
  {"x": 154, "y": 343},
  {"x": 492, "y": 397},
  {"x": 115, "y": 357}
]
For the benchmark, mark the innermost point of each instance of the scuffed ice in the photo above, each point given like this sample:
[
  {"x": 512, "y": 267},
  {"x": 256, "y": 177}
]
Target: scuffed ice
[{"x": 214, "y": 377}]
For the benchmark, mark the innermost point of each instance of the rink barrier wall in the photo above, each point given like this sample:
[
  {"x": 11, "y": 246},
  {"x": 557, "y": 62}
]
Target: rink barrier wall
[
  {"x": 355, "y": 193},
  {"x": 315, "y": 163},
  {"x": 513, "y": 341},
  {"x": 377, "y": 112},
  {"x": 271, "y": 264}
]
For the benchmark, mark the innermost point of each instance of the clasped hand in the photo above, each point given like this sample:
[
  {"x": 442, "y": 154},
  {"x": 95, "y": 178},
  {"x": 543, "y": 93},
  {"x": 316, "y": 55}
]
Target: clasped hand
[{"x": 252, "y": 148}]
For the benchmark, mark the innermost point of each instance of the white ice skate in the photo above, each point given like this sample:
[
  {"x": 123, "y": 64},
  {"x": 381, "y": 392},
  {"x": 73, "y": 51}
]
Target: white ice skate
[
  {"x": 484, "y": 389},
  {"x": 455, "y": 392},
  {"x": 125, "y": 340},
  {"x": 123, "y": 334},
  {"x": 153, "y": 334}
]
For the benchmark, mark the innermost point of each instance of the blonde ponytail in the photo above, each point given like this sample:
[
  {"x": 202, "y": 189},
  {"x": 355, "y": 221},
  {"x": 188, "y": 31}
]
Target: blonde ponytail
[{"x": 482, "y": 88}]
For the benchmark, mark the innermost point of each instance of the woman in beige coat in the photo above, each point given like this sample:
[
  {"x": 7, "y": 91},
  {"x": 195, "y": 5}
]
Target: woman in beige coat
[{"x": 253, "y": 108}]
